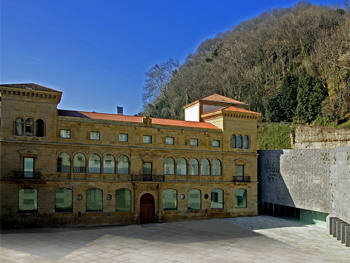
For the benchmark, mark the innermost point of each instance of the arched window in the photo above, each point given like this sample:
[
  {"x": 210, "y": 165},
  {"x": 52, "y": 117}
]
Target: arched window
[
  {"x": 123, "y": 200},
  {"x": 27, "y": 200},
  {"x": 233, "y": 141},
  {"x": 181, "y": 168},
  {"x": 205, "y": 167},
  {"x": 79, "y": 163},
  {"x": 123, "y": 164},
  {"x": 94, "y": 199},
  {"x": 63, "y": 200},
  {"x": 194, "y": 199},
  {"x": 169, "y": 199},
  {"x": 19, "y": 127},
  {"x": 246, "y": 142},
  {"x": 241, "y": 198},
  {"x": 169, "y": 166},
  {"x": 193, "y": 166},
  {"x": 239, "y": 142},
  {"x": 29, "y": 127},
  {"x": 108, "y": 164},
  {"x": 39, "y": 128},
  {"x": 217, "y": 199},
  {"x": 63, "y": 163},
  {"x": 216, "y": 167},
  {"x": 94, "y": 163}
]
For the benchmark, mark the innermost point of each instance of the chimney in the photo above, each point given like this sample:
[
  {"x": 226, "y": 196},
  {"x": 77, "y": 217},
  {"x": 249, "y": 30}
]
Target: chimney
[{"x": 119, "y": 110}]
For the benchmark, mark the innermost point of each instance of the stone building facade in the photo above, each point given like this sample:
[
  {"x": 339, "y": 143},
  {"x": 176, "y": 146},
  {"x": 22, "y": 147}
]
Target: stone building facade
[{"x": 71, "y": 168}]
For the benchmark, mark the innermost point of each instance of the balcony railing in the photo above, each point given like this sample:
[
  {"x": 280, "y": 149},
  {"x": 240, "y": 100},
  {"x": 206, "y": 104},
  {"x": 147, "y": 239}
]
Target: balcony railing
[
  {"x": 26, "y": 175},
  {"x": 152, "y": 178},
  {"x": 241, "y": 178}
]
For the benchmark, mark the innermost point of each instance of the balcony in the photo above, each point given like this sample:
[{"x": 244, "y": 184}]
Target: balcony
[
  {"x": 26, "y": 175},
  {"x": 150, "y": 178},
  {"x": 245, "y": 179}
]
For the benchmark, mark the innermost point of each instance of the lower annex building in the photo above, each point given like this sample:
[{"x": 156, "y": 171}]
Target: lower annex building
[{"x": 71, "y": 168}]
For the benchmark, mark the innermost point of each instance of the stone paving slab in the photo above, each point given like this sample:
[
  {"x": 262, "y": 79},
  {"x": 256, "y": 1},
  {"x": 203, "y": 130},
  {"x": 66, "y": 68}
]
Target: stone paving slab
[{"x": 215, "y": 240}]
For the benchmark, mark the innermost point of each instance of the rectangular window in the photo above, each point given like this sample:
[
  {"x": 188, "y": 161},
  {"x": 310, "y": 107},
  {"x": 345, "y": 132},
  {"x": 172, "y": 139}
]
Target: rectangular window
[
  {"x": 123, "y": 137},
  {"x": 95, "y": 136},
  {"x": 147, "y": 139},
  {"x": 169, "y": 140},
  {"x": 193, "y": 142},
  {"x": 28, "y": 167},
  {"x": 65, "y": 134},
  {"x": 27, "y": 200},
  {"x": 240, "y": 172},
  {"x": 216, "y": 143}
]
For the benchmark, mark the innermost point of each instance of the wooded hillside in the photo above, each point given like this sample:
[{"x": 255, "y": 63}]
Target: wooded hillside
[{"x": 285, "y": 63}]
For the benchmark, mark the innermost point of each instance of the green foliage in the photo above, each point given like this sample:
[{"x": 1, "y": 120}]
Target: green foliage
[
  {"x": 311, "y": 93},
  {"x": 259, "y": 61},
  {"x": 274, "y": 137},
  {"x": 282, "y": 107}
]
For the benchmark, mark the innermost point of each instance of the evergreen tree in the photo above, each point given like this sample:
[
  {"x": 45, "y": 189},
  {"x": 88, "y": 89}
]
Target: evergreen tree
[
  {"x": 282, "y": 107},
  {"x": 311, "y": 93}
]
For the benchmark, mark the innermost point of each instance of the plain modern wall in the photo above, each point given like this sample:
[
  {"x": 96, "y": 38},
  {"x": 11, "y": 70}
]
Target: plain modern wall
[{"x": 312, "y": 179}]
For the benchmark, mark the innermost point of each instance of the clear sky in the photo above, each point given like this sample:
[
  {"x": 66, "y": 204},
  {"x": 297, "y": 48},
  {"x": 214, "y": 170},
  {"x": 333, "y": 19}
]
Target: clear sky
[{"x": 97, "y": 52}]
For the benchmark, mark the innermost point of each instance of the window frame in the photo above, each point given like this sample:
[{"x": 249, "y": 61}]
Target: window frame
[
  {"x": 246, "y": 142},
  {"x": 19, "y": 123},
  {"x": 56, "y": 210},
  {"x": 25, "y": 168},
  {"x": 192, "y": 140},
  {"x": 166, "y": 140},
  {"x": 245, "y": 195},
  {"x": 35, "y": 210},
  {"x": 214, "y": 143},
  {"x": 92, "y": 133},
  {"x": 62, "y": 136},
  {"x": 39, "y": 128},
  {"x": 126, "y": 135},
  {"x": 147, "y": 136},
  {"x": 189, "y": 198},
  {"x": 170, "y": 191}
]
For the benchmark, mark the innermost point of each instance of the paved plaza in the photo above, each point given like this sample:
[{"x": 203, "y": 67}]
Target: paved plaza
[{"x": 244, "y": 239}]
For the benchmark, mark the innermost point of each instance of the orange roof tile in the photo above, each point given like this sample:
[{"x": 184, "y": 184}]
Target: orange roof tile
[
  {"x": 220, "y": 98},
  {"x": 232, "y": 108},
  {"x": 236, "y": 109},
  {"x": 136, "y": 119}
]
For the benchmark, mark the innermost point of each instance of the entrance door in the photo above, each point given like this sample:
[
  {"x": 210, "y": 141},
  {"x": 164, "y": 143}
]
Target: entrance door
[{"x": 147, "y": 209}]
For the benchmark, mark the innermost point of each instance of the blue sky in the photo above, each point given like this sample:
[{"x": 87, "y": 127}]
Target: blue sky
[{"x": 97, "y": 52}]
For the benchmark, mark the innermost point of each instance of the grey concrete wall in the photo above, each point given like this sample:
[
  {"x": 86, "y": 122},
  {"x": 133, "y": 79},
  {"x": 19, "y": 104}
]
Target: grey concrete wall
[{"x": 312, "y": 179}]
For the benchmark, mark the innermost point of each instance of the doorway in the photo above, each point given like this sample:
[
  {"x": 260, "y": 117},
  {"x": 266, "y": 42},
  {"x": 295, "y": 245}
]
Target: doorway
[{"x": 147, "y": 209}]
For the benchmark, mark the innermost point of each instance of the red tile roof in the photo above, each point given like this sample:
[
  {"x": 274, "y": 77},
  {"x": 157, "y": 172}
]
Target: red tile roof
[
  {"x": 233, "y": 109},
  {"x": 136, "y": 119},
  {"x": 220, "y": 98},
  {"x": 32, "y": 86}
]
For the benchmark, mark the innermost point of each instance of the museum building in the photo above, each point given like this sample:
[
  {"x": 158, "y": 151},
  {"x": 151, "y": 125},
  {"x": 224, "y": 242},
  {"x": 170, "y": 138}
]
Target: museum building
[{"x": 75, "y": 168}]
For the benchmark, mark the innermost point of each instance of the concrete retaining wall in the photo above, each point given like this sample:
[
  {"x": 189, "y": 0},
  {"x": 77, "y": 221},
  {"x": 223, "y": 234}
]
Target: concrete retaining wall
[{"x": 312, "y": 179}]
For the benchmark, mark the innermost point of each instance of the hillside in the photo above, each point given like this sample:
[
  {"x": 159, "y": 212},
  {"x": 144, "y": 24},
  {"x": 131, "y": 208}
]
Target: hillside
[{"x": 285, "y": 63}]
